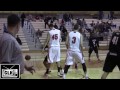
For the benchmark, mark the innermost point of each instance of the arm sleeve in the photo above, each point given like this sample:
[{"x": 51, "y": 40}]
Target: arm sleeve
[{"x": 7, "y": 51}]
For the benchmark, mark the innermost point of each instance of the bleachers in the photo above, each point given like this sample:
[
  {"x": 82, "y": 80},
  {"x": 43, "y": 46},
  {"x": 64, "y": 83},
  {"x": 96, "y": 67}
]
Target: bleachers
[
  {"x": 40, "y": 25},
  {"x": 20, "y": 33}
]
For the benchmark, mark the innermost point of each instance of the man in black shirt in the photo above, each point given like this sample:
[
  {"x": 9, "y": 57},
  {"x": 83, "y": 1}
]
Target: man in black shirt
[
  {"x": 113, "y": 56},
  {"x": 22, "y": 19},
  {"x": 18, "y": 40},
  {"x": 55, "y": 26},
  {"x": 93, "y": 45}
]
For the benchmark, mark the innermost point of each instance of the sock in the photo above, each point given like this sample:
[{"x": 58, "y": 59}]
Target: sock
[
  {"x": 84, "y": 67},
  {"x": 66, "y": 69},
  {"x": 64, "y": 76}
]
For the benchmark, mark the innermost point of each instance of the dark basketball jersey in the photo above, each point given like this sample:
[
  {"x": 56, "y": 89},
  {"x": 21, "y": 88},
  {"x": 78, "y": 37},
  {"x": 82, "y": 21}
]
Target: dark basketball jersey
[
  {"x": 114, "y": 45},
  {"x": 93, "y": 42}
]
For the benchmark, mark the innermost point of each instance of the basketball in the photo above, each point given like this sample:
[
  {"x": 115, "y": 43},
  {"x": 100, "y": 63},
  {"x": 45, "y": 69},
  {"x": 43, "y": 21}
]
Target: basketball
[{"x": 27, "y": 57}]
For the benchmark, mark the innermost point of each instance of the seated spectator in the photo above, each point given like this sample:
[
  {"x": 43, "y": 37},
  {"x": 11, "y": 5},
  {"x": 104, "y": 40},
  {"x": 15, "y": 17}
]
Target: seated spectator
[
  {"x": 39, "y": 33},
  {"x": 18, "y": 40},
  {"x": 92, "y": 24},
  {"x": 37, "y": 17},
  {"x": 62, "y": 22},
  {"x": 112, "y": 24},
  {"x": 55, "y": 26}
]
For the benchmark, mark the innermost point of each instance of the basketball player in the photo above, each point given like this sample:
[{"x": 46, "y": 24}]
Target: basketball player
[
  {"x": 93, "y": 45},
  {"x": 45, "y": 62},
  {"x": 53, "y": 42},
  {"x": 113, "y": 56},
  {"x": 74, "y": 44}
]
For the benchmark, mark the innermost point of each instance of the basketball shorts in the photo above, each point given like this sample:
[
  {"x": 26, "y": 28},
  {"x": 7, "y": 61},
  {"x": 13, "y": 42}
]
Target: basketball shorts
[
  {"x": 110, "y": 62},
  {"x": 91, "y": 49},
  {"x": 54, "y": 54},
  {"x": 72, "y": 56}
]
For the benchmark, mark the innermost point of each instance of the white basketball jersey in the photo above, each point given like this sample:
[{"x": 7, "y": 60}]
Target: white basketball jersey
[
  {"x": 74, "y": 41},
  {"x": 54, "y": 37}
]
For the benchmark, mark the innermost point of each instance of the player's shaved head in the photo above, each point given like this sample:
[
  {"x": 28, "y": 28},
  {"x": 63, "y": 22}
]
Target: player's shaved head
[{"x": 76, "y": 27}]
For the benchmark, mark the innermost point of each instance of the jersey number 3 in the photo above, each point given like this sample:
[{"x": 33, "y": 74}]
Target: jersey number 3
[
  {"x": 55, "y": 37},
  {"x": 115, "y": 40},
  {"x": 73, "y": 40}
]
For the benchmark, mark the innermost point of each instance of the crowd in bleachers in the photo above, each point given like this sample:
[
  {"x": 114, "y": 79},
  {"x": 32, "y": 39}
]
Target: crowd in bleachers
[{"x": 102, "y": 29}]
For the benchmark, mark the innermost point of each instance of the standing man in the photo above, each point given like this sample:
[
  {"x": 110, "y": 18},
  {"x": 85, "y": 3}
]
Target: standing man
[
  {"x": 113, "y": 56},
  {"x": 10, "y": 51},
  {"x": 93, "y": 45},
  {"x": 53, "y": 42},
  {"x": 74, "y": 44},
  {"x": 19, "y": 40},
  {"x": 23, "y": 19}
]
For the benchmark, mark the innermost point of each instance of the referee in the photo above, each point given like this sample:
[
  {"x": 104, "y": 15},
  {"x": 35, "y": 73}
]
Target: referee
[{"x": 10, "y": 51}]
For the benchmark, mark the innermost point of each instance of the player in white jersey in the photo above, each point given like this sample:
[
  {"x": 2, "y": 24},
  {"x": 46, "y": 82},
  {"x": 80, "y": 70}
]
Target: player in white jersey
[
  {"x": 74, "y": 44},
  {"x": 53, "y": 42}
]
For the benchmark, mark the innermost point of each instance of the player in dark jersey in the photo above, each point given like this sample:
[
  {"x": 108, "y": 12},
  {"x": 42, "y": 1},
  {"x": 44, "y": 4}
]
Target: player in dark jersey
[
  {"x": 93, "y": 45},
  {"x": 113, "y": 56},
  {"x": 45, "y": 62}
]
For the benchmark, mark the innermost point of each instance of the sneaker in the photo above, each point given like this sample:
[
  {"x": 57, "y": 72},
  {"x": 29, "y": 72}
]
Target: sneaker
[
  {"x": 59, "y": 74},
  {"x": 61, "y": 71},
  {"x": 87, "y": 78},
  {"x": 45, "y": 75}
]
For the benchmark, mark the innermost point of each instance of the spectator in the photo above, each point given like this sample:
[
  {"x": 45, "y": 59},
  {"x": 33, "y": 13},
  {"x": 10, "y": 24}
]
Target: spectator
[
  {"x": 22, "y": 19},
  {"x": 4, "y": 28},
  {"x": 84, "y": 25},
  {"x": 37, "y": 17},
  {"x": 63, "y": 32},
  {"x": 92, "y": 24},
  {"x": 39, "y": 33},
  {"x": 18, "y": 40},
  {"x": 111, "y": 15},
  {"x": 46, "y": 21},
  {"x": 55, "y": 26},
  {"x": 101, "y": 14}
]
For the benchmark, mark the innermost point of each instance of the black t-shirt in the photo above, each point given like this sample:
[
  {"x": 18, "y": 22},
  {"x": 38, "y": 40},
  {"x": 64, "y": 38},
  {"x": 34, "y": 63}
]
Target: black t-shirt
[
  {"x": 19, "y": 41},
  {"x": 114, "y": 45},
  {"x": 93, "y": 42}
]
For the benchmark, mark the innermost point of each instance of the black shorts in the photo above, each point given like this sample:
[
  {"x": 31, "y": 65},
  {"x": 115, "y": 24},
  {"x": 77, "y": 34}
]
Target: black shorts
[
  {"x": 45, "y": 60},
  {"x": 93, "y": 48},
  {"x": 110, "y": 63}
]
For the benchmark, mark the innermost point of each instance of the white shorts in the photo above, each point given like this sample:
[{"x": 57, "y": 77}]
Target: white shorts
[
  {"x": 72, "y": 55},
  {"x": 54, "y": 54}
]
